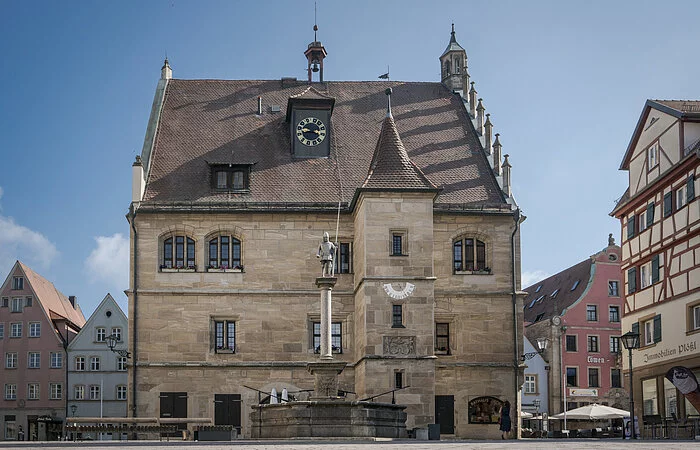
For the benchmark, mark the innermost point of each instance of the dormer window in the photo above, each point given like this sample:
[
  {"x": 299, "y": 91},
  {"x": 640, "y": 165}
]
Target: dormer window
[{"x": 230, "y": 177}]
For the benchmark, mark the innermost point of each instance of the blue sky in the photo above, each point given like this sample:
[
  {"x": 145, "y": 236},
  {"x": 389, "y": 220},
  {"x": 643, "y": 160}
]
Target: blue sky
[{"x": 564, "y": 83}]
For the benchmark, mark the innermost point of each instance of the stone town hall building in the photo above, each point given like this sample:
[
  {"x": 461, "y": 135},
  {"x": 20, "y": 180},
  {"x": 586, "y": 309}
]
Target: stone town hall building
[{"x": 236, "y": 183}]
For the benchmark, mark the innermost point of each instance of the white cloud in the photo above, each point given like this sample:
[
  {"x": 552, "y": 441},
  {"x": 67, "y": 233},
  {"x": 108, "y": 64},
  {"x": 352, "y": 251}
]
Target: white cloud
[
  {"x": 109, "y": 262},
  {"x": 19, "y": 242},
  {"x": 529, "y": 277}
]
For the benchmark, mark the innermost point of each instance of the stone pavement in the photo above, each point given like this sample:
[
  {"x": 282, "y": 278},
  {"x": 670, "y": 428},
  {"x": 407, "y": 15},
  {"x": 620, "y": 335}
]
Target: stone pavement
[{"x": 533, "y": 444}]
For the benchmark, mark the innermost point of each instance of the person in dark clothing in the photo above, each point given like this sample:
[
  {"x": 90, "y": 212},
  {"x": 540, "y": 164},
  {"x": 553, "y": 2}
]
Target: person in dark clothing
[{"x": 504, "y": 420}]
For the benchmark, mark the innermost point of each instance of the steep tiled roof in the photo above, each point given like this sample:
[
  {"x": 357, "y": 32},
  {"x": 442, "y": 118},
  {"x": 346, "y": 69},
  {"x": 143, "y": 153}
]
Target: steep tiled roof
[
  {"x": 539, "y": 303},
  {"x": 205, "y": 121},
  {"x": 57, "y": 305},
  {"x": 391, "y": 167},
  {"x": 682, "y": 106}
]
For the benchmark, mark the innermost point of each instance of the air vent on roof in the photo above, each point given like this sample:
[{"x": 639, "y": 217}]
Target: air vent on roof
[
  {"x": 554, "y": 294},
  {"x": 275, "y": 108},
  {"x": 539, "y": 317},
  {"x": 540, "y": 299},
  {"x": 538, "y": 288},
  {"x": 575, "y": 285},
  {"x": 532, "y": 303}
]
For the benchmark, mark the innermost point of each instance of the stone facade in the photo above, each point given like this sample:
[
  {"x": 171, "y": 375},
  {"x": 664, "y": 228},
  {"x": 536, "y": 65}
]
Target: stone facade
[{"x": 398, "y": 218}]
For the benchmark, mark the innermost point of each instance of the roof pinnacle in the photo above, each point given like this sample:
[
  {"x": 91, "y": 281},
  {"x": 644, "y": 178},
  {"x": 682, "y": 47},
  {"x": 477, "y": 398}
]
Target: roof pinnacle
[{"x": 388, "y": 92}]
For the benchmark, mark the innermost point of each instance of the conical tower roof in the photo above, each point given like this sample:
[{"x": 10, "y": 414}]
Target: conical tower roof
[
  {"x": 391, "y": 168},
  {"x": 453, "y": 46}
]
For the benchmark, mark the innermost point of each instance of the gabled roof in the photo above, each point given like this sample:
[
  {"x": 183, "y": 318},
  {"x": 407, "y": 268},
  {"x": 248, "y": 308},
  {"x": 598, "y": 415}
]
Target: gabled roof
[
  {"x": 681, "y": 109},
  {"x": 540, "y": 305},
  {"x": 212, "y": 120},
  {"x": 391, "y": 168},
  {"x": 107, "y": 302},
  {"x": 51, "y": 299}
]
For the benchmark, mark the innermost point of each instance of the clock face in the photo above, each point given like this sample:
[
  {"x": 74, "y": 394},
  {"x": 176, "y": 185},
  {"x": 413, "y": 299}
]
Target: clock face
[{"x": 311, "y": 131}]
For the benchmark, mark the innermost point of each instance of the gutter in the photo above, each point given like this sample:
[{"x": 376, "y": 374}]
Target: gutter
[
  {"x": 516, "y": 364},
  {"x": 132, "y": 219}
]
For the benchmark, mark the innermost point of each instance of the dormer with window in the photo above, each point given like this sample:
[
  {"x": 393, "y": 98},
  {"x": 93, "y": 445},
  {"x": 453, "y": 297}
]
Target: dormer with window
[{"x": 230, "y": 177}]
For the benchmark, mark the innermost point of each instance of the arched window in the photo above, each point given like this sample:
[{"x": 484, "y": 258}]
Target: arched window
[
  {"x": 469, "y": 255},
  {"x": 447, "y": 68},
  {"x": 457, "y": 65},
  {"x": 224, "y": 253},
  {"x": 178, "y": 253}
]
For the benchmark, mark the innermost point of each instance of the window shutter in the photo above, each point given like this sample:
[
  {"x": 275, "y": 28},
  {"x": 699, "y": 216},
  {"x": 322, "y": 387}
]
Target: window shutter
[
  {"x": 655, "y": 269},
  {"x": 635, "y": 328},
  {"x": 630, "y": 227},
  {"x": 668, "y": 204},
  {"x": 657, "y": 328},
  {"x": 650, "y": 215},
  {"x": 691, "y": 188},
  {"x": 631, "y": 280}
]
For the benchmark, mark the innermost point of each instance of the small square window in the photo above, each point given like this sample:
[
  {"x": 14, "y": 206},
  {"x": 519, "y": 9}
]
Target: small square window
[
  {"x": 397, "y": 244},
  {"x": 230, "y": 177},
  {"x": 94, "y": 363}
]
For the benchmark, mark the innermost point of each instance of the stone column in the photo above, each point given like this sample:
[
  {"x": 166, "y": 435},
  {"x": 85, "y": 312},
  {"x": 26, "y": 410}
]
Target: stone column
[{"x": 326, "y": 285}]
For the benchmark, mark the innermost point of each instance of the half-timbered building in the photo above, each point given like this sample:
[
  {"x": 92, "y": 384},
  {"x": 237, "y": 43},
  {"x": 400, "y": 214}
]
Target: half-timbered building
[{"x": 660, "y": 218}]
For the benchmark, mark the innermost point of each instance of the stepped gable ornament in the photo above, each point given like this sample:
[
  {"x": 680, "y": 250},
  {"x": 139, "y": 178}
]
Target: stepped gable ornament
[
  {"x": 326, "y": 251},
  {"x": 404, "y": 292}
]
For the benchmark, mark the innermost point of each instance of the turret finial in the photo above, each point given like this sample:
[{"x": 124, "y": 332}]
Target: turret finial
[{"x": 388, "y": 92}]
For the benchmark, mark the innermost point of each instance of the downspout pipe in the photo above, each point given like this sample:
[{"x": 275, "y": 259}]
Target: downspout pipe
[
  {"x": 516, "y": 359},
  {"x": 134, "y": 353}
]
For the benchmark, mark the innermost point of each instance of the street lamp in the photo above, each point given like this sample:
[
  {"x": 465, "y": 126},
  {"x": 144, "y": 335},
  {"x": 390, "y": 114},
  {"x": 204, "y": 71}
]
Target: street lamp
[
  {"x": 541, "y": 347},
  {"x": 631, "y": 341},
  {"x": 112, "y": 342}
]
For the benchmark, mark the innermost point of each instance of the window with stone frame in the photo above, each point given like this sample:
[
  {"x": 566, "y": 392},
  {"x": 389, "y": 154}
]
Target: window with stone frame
[
  {"x": 56, "y": 360},
  {"x": 343, "y": 262},
  {"x": 55, "y": 391},
  {"x": 442, "y": 338},
  {"x": 10, "y": 391},
  {"x": 593, "y": 344},
  {"x": 79, "y": 392},
  {"x": 34, "y": 360},
  {"x": 399, "y": 243},
  {"x": 121, "y": 363},
  {"x": 572, "y": 376},
  {"x": 615, "y": 378},
  {"x": 100, "y": 334},
  {"x": 95, "y": 392},
  {"x": 33, "y": 391},
  {"x": 117, "y": 333},
  {"x": 34, "y": 329},
  {"x": 593, "y": 377},
  {"x": 336, "y": 337},
  {"x": 11, "y": 360},
  {"x": 2, "y": 331},
  {"x": 17, "y": 283},
  {"x": 224, "y": 252},
  {"x": 613, "y": 288},
  {"x": 469, "y": 255},
  {"x": 224, "y": 336},
  {"x": 614, "y": 313},
  {"x": 16, "y": 330},
  {"x": 94, "y": 363},
  {"x": 530, "y": 386},
  {"x": 615, "y": 344},
  {"x": 121, "y": 392},
  {"x": 178, "y": 253},
  {"x": 397, "y": 316},
  {"x": 592, "y": 313},
  {"x": 571, "y": 343},
  {"x": 17, "y": 304}
]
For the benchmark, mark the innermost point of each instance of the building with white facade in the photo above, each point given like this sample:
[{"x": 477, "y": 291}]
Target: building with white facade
[{"x": 97, "y": 376}]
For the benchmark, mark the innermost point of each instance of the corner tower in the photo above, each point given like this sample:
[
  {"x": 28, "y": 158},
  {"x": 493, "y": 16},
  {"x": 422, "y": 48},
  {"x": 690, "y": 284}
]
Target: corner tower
[{"x": 453, "y": 64}]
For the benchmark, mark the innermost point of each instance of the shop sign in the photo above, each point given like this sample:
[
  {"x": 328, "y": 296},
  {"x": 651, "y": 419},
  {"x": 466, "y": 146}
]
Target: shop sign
[
  {"x": 581, "y": 392},
  {"x": 484, "y": 410},
  {"x": 685, "y": 347},
  {"x": 596, "y": 360}
]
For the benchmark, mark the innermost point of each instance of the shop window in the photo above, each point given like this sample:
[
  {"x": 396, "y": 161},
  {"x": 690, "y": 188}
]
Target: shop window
[{"x": 649, "y": 397}]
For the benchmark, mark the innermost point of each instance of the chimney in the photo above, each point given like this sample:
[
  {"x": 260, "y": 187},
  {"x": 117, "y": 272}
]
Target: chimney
[
  {"x": 488, "y": 130},
  {"x": 472, "y": 100},
  {"x": 137, "y": 182},
  {"x": 480, "y": 118},
  {"x": 497, "y": 156},
  {"x": 72, "y": 300},
  {"x": 260, "y": 105},
  {"x": 506, "y": 176},
  {"x": 166, "y": 73}
]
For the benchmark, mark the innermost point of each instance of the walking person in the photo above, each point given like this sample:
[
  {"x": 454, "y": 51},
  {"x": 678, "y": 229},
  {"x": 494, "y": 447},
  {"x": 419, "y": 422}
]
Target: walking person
[{"x": 504, "y": 420}]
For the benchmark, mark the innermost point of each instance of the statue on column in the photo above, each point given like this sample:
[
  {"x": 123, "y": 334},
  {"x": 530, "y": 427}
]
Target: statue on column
[{"x": 326, "y": 251}]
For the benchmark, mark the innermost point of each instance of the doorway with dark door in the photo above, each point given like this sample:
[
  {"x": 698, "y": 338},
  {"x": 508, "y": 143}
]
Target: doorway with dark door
[
  {"x": 445, "y": 413},
  {"x": 227, "y": 410},
  {"x": 174, "y": 405}
]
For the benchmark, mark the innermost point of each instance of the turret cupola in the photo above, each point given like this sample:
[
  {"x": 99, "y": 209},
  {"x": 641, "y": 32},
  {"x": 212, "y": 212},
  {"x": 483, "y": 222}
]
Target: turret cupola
[
  {"x": 453, "y": 63},
  {"x": 315, "y": 53}
]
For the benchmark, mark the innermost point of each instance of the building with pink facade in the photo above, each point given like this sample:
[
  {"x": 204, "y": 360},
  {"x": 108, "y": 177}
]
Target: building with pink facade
[
  {"x": 579, "y": 310},
  {"x": 36, "y": 324}
]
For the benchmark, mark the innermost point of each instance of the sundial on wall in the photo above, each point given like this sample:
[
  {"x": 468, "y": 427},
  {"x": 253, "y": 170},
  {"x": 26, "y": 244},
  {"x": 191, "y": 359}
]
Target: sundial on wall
[{"x": 399, "y": 290}]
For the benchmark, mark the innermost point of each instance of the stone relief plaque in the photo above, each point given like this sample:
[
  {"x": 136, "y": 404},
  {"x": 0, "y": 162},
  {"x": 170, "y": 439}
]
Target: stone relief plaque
[{"x": 400, "y": 345}]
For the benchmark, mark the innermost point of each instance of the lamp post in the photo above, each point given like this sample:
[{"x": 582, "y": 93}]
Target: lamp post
[
  {"x": 631, "y": 341},
  {"x": 542, "y": 344},
  {"x": 112, "y": 342}
]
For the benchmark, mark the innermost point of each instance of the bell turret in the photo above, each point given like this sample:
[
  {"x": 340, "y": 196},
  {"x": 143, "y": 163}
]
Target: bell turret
[{"x": 453, "y": 63}]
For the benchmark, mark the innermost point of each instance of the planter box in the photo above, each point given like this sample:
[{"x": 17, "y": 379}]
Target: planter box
[
  {"x": 225, "y": 270},
  {"x": 172, "y": 270}
]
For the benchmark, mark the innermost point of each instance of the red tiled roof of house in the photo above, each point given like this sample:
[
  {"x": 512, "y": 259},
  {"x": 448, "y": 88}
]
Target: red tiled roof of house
[
  {"x": 205, "y": 121},
  {"x": 56, "y": 304}
]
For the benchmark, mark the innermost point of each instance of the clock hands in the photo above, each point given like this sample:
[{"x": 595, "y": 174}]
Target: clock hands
[{"x": 306, "y": 130}]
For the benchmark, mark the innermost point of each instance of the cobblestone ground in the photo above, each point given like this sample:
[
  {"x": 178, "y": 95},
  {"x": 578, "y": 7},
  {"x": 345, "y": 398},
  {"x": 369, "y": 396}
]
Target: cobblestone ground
[{"x": 607, "y": 444}]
